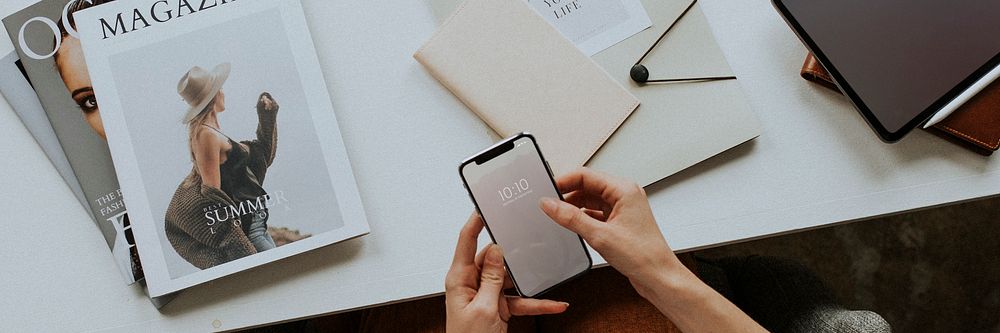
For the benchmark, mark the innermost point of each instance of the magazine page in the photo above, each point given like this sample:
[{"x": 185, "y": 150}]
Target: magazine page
[
  {"x": 223, "y": 134},
  {"x": 52, "y": 57},
  {"x": 17, "y": 90}
]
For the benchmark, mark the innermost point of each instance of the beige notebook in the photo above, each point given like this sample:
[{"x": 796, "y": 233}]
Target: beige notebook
[
  {"x": 518, "y": 73},
  {"x": 678, "y": 125}
]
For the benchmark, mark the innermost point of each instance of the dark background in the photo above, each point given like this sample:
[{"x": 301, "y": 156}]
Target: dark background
[{"x": 934, "y": 270}]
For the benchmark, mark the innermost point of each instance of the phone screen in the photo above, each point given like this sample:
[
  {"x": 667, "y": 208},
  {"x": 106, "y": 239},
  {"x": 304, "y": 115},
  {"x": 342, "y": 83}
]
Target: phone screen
[{"x": 507, "y": 189}]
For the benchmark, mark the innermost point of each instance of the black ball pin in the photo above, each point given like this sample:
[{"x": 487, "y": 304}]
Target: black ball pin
[{"x": 639, "y": 73}]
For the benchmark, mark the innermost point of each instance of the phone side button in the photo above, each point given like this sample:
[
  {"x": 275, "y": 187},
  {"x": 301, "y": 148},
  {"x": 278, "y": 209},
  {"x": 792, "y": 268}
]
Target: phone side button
[{"x": 549, "y": 169}]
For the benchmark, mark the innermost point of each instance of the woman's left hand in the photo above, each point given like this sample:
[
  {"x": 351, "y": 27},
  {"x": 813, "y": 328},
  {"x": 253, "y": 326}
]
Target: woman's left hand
[{"x": 474, "y": 288}]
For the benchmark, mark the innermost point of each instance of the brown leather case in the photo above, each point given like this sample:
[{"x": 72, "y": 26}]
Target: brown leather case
[{"x": 975, "y": 125}]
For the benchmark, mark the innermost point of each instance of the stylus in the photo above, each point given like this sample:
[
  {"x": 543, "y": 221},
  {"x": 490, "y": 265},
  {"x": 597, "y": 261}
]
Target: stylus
[{"x": 965, "y": 96}]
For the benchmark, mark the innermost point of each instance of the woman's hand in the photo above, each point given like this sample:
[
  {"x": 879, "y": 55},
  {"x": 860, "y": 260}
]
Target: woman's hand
[
  {"x": 474, "y": 288},
  {"x": 614, "y": 217},
  {"x": 267, "y": 103}
]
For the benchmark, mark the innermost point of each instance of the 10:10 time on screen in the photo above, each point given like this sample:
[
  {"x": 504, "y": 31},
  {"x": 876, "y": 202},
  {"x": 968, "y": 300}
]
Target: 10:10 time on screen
[{"x": 508, "y": 192}]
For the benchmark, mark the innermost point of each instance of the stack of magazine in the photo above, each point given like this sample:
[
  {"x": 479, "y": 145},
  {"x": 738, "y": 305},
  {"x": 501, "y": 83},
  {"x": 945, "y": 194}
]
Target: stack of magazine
[{"x": 209, "y": 120}]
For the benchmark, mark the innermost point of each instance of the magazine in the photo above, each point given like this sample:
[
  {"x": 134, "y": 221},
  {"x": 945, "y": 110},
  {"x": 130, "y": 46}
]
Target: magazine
[
  {"x": 53, "y": 61},
  {"x": 17, "y": 90},
  {"x": 223, "y": 134}
]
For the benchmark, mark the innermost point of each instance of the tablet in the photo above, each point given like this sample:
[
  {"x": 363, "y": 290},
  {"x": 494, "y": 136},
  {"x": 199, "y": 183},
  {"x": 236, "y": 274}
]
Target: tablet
[{"x": 899, "y": 61}]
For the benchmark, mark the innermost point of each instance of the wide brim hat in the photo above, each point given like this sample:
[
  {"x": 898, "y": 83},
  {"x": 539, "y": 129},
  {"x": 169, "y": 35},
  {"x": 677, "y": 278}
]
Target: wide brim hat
[{"x": 198, "y": 87}]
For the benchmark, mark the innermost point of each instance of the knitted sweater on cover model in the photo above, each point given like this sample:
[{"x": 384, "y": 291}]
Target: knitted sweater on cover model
[{"x": 188, "y": 229}]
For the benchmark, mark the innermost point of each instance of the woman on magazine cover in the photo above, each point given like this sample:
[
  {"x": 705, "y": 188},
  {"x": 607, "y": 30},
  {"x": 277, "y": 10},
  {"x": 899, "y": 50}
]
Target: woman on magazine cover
[
  {"x": 216, "y": 214},
  {"x": 72, "y": 67}
]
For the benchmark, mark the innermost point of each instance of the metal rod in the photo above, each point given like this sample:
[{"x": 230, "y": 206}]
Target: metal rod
[{"x": 711, "y": 78}]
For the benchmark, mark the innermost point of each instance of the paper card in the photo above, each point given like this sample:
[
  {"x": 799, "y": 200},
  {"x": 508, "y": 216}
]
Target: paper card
[{"x": 594, "y": 25}]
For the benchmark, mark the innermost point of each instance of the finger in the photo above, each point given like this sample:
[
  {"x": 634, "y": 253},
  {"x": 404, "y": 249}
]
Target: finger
[
  {"x": 463, "y": 274},
  {"x": 572, "y": 218},
  {"x": 504, "y": 310},
  {"x": 589, "y": 201},
  {"x": 507, "y": 283},
  {"x": 592, "y": 182},
  {"x": 530, "y": 307},
  {"x": 491, "y": 278},
  {"x": 465, "y": 251},
  {"x": 481, "y": 256},
  {"x": 595, "y": 214}
]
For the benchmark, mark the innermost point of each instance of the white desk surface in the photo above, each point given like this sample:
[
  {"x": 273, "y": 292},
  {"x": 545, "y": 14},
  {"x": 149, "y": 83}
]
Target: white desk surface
[{"x": 816, "y": 164}]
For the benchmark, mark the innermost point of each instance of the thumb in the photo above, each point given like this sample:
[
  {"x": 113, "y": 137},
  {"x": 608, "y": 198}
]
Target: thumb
[
  {"x": 491, "y": 278},
  {"x": 571, "y": 217}
]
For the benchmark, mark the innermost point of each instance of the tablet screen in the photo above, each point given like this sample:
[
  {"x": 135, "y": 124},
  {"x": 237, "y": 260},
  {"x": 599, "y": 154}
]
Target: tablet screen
[{"x": 903, "y": 59}]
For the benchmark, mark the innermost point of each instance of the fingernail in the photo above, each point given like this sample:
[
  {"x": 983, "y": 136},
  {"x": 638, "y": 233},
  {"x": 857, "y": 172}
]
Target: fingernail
[
  {"x": 495, "y": 256},
  {"x": 549, "y": 204},
  {"x": 564, "y": 304}
]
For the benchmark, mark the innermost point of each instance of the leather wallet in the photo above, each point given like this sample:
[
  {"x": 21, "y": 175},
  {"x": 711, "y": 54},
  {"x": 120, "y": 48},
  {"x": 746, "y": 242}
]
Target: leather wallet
[{"x": 975, "y": 125}]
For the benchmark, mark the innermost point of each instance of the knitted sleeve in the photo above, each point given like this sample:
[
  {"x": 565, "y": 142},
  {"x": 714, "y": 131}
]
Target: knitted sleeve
[
  {"x": 263, "y": 149},
  {"x": 187, "y": 213}
]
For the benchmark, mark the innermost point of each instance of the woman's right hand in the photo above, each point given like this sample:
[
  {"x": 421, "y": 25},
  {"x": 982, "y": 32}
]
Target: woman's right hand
[
  {"x": 614, "y": 217},
  {"x": 267, "y": 103}
]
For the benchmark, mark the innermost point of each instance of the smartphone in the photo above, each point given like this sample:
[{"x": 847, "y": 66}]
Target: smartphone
[{"x": 506, "y": 183}]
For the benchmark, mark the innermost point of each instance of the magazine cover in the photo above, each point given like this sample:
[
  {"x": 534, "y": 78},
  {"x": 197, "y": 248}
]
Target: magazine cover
[
  {"x": 17, "y": 90},
  {"x": 223, "y": 134},
  {"x": 50, "y": 53}
]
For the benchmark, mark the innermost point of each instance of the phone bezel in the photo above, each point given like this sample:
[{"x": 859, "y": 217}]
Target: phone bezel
[{"x": 492, "y": 152}]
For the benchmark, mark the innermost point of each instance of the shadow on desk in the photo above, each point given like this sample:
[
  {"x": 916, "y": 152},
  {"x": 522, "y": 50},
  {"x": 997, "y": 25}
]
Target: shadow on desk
[{"x": 282, "y": 272}]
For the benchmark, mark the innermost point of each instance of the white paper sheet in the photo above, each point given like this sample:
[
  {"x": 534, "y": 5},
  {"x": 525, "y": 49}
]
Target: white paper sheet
[{"x": 594, "y": 25}]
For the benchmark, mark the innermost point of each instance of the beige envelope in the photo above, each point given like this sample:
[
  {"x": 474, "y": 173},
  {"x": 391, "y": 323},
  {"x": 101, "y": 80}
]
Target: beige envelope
[
  {"x": 678, "y": 124},
  {"x": 516, "y": 71}
]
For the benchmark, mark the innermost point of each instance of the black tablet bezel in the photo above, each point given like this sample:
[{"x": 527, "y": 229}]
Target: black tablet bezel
[{"x": 859, "y": 104}]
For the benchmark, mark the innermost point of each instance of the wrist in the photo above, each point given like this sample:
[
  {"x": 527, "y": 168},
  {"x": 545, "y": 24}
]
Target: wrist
[
  {"x": 665, "y": 270},
  {"x": 673, "y": 291},
  {"x": 666, "y": 280}
]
